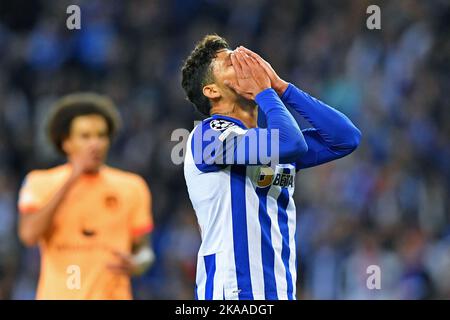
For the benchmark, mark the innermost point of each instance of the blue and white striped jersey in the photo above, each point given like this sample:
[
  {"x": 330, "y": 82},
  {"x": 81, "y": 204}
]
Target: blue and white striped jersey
[
  {"x": 247, "y": 219},
  {"x": 245, "y": 209}
]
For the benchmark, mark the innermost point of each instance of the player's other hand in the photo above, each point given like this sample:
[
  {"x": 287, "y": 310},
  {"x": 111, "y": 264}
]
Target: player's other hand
[
  {"x": 251, "y": 78},
  {"x": 278, "y": 84},
  {"x": 123, "y": 264},
  {"x": 86, "y": 161},
  {"x": 80, "y": 164}
]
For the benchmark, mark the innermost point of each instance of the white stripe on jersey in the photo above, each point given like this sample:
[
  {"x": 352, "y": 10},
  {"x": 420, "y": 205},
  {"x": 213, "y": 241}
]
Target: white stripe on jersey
[
  {"x": 292, "y": 245},
  {"x": 280, "y": 272},
  {"x": 254, "y": 241},
  {"x": 200, "y": 279}
]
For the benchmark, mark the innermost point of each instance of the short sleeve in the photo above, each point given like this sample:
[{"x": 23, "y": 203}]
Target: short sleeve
[
  {"x": 141, "y": 214},
  {"x": 212, "y": 141},
  {"x": 32, "y": 194}
]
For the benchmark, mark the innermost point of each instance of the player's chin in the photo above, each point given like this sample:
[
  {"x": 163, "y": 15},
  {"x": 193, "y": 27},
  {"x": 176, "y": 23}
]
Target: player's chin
[{"x": 95, "y": 165}]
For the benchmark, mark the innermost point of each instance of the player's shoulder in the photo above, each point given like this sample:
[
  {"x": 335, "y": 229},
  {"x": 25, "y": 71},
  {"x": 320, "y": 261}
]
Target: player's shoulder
[
  {"x": 124, "y": 178},
  {"x": 49, "y": 175},
  {"x": 221, "y": 123},
  {"x": 220, "y": 126}
]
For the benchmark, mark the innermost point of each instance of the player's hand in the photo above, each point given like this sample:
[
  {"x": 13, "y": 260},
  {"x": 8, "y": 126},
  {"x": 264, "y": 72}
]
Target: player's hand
[
  {"x": 124, "y": 264},
  {"x": 278, "y": 84},
  {"x": 251, "y": 78},
  {"x": 80, "y": 164}
]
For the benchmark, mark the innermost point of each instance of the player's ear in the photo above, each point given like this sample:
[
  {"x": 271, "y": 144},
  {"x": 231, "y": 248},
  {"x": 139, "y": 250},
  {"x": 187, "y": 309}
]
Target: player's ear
[{"x": 211, "y": 91}]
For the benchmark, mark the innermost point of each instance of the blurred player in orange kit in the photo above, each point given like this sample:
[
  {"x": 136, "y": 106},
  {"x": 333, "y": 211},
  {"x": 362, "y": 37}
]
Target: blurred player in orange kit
[{"x": 91, "y": 221}]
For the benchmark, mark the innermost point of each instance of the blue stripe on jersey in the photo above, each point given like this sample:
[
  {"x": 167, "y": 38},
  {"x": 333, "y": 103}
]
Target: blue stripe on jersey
[
  {"x": 267, "y": 251},
  {"x": 195, "y": 292},
  {"x": 210, "y": 266},
  {"x": 283, "y": 201},
  {"x": 240, "y": 238},
  {"x": 197, "y": 150}
]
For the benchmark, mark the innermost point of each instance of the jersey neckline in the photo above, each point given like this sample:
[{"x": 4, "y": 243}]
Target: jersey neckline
[{"x": 237, "y": 121}]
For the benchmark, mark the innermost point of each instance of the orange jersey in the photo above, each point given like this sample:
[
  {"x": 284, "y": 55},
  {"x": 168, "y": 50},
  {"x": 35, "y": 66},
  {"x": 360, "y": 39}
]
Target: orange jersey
[{"x": 100, "y": 214}]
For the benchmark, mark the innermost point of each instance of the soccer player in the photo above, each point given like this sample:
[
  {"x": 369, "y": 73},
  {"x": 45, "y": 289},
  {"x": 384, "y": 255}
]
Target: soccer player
[
  {"x": 91, "y": 221},
  {"x": 244, "y": 204}
]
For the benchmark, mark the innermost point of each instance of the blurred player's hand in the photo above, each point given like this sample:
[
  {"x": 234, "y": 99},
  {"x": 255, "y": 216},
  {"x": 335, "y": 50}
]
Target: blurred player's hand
[
  {"x": 80, "y": 164},
  {"x": 124, "y": 264},
  {"x": 278, "y": 84},
  {"x": 129, "y": 265},
  {"x": 251, "y": 78}
]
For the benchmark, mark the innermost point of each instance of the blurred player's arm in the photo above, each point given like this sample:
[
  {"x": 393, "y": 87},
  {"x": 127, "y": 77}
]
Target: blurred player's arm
[
  {"x": 141, "y": 222},
  {"x": 333, "y": 135},
  {"x": 35, "y": 220},
  {"x": 143, "y": 255},
  {"x": 136, "y": 263}
]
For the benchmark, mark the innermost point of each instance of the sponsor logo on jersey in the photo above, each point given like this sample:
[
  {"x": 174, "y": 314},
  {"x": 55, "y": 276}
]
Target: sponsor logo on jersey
[
  {"x": 283, "y": 180},
  {"x": 267, "y": 177}
]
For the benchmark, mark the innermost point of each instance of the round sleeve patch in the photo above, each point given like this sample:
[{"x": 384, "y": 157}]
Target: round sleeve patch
[{"x": 220, "y": 124}]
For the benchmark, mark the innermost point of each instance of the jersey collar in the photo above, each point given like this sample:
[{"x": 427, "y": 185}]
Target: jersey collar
[{"x": 234, "y": 120}]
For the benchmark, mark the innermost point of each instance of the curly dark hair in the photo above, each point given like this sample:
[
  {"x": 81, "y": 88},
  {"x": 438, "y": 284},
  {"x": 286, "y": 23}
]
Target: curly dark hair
[
  {"x": 197, "y": 71},
  {"x": 79, "y": 104}
]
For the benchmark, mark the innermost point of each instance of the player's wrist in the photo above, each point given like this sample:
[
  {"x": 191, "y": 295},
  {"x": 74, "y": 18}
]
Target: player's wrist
[
  {"x": 262, "y": 92},
  {"x": 280, "y": 86},
  {"x": 142, "y": 260}
]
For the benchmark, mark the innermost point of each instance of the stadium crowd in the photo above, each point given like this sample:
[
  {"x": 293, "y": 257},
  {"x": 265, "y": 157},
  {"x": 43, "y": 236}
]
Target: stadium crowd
[{"x": 386, "y": 205}]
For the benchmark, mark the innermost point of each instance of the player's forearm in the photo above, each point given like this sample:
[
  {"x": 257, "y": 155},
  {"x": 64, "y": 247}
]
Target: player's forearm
[
  {"x": 280, "y": 86},
  {"x": 291, "y": 141},
  {"x": 33, "y": 226},
  {"x": 142, "y": 255},
  {"x": 333, "y": 126},
  {"x": 142, "y": 260}
]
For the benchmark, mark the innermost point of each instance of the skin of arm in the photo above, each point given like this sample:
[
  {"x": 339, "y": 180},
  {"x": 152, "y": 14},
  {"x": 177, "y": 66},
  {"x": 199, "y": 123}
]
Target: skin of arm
[
  {"x": 33, "y": 226},
  {"x": 136, "y": 263}
]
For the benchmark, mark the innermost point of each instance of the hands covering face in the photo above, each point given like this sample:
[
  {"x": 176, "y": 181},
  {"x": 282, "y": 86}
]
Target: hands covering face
[
  {"x": 251, "y": 78},
  {"x": 253, "y": 74}
]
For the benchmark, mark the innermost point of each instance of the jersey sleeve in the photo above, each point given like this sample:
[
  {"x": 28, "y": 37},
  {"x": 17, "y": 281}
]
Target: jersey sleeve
[
  {"x": 32, "y": 194},
  {"x": 332, "y": 135},
  {"x": 319, "y": 151},
  {"x": 141, "y": 220},
  {"x": 219, "y": 142},
  {"x": 212, "y": 141}
]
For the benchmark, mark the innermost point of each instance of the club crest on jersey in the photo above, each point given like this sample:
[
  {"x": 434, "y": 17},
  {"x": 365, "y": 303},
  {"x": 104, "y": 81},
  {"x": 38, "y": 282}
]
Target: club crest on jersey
[
  {"x": 268, "y": 177},
  {"x": 111, "y": 201},
  {"x": 220, "y": 124},
  {"x": 265, "y": 177}
]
